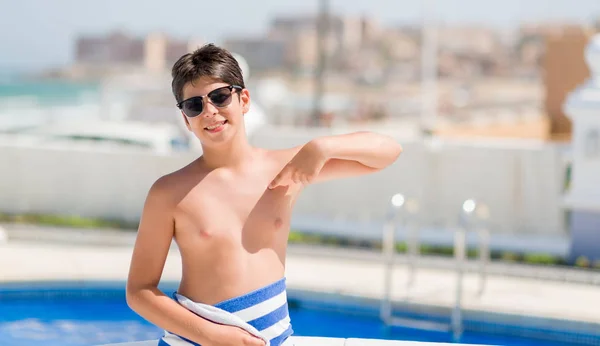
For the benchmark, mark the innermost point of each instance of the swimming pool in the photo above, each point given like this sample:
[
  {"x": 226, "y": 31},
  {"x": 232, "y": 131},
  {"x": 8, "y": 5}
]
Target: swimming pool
[{"x": 77, "y": 314}]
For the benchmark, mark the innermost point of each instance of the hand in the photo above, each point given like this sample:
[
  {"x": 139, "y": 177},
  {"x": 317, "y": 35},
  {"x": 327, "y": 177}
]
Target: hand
[
  {"x": 224, "y": 335},
  {"x": 303, "y": 168}
]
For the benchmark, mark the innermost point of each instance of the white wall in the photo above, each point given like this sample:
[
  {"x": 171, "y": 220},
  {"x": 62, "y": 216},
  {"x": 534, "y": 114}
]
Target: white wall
[
  {"x": 520, "y": 181},
  {"x": 62, "y": 181}
]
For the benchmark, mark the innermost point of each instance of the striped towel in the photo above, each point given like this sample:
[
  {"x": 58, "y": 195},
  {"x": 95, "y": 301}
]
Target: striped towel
[{"x": 263, "y": 313}]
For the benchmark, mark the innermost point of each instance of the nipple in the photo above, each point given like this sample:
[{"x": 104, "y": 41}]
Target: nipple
[{"x": 278, "y": 222}]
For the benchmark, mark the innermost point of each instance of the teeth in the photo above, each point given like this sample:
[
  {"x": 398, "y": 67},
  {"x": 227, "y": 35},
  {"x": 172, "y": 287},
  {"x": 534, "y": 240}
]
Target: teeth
[{"x": 215, "y": 126}]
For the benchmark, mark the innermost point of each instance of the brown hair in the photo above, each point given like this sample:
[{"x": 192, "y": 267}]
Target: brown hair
[{"x": 206, "y": 61}]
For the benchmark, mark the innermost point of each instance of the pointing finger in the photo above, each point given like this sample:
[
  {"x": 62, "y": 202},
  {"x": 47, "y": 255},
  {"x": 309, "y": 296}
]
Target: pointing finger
[{"x": 280, "y": 178}]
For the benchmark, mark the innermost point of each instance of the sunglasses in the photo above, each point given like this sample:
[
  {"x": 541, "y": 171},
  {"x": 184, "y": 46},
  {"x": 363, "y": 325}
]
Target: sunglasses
[{"x": 220, "y": 97}]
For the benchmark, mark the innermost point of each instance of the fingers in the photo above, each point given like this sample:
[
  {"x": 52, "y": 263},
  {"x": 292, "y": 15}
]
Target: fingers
[
  {"x": 297, "y": 177},
  {"x": 275, "y": 182},
  {"x": 282, "y": 179},
  {"x": 290, "y": 175},
  {"x": 307, "y": 179},
  {"x": 252, "y": 340}
]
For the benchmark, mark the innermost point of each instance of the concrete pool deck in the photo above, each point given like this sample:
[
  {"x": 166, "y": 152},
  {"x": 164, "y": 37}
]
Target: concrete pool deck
[{"x": 351, "y": 274}]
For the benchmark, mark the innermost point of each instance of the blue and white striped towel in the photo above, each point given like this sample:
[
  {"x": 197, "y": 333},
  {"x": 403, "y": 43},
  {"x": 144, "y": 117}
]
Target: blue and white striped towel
[{"x": 263, "y": 313}]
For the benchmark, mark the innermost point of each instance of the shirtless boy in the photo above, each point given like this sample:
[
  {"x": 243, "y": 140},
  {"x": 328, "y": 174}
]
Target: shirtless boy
[{"x": 229, "y": 213}]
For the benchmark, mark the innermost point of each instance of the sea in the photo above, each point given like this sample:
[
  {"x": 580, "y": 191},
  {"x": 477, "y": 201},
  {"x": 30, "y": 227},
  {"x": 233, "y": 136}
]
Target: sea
[{"x": 27, "y": 102}]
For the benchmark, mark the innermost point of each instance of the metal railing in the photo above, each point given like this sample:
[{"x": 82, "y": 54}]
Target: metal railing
[{"x": 471, "y": 218}]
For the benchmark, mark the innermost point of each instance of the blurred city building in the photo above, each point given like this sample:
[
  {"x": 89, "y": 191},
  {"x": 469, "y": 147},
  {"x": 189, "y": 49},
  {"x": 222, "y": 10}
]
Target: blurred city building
[
  {"x": 489, "y": 82},
  {"x": 156, "y": 51}
]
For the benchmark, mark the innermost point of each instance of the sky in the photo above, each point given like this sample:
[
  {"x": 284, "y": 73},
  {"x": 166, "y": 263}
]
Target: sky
[{"x": 36, "y": 34}]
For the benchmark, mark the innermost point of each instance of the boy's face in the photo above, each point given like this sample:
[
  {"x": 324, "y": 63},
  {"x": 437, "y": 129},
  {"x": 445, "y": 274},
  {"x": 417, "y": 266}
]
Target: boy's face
[{"x": 222, "y": 109}]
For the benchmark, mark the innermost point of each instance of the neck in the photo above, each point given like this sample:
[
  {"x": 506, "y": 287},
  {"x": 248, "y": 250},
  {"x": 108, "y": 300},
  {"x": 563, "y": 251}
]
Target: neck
[{"x": 231, "y": 154}]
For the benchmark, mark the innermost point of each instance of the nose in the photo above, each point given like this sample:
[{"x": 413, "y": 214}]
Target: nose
[{"x": 210, "y": 110}]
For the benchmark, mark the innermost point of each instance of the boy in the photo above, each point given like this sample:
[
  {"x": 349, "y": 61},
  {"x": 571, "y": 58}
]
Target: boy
[{"x": 229, "y": 213}]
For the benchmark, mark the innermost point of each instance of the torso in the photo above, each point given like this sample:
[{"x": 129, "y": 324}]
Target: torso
[{"x": 230, "y": 228}]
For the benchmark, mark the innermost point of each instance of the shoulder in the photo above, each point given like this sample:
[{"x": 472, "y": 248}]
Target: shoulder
[{"x": 171, "y": 187}]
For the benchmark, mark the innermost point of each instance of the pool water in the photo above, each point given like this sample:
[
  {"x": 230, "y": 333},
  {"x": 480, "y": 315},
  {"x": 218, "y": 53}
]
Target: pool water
[{"x": 93, "y": 316}]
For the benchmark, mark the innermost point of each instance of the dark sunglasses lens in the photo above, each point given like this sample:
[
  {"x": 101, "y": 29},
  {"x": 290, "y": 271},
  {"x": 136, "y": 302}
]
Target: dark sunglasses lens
[
  {"x": 220, "y": 97},
  {"x": 193, "y": 107}
]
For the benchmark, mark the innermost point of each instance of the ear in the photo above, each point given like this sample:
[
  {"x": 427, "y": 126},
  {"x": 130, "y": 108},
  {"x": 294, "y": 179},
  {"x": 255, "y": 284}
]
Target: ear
[
  {"x": 187, "y": 122},
  {"x": 245, "y": 100}
]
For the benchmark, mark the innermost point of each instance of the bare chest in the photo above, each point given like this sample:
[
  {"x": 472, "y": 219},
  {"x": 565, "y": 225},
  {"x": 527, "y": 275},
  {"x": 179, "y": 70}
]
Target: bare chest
[{"x": 243, "y": 213}]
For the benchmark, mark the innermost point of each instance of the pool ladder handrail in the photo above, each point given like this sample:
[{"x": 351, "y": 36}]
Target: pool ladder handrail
[{"x": 466, "y": 222}]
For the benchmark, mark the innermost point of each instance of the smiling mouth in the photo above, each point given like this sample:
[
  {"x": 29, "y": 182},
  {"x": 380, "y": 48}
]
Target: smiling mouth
[{"x": 216, "y": 127}]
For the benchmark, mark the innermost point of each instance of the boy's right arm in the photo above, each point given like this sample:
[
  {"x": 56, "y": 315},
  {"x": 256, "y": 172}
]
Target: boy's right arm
[{"x": 151, "y": 248}]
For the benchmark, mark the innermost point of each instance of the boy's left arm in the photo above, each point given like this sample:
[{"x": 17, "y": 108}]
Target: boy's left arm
[
  {"x": 340, "y": 156},
  {"x": 356, "y": 154}
]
